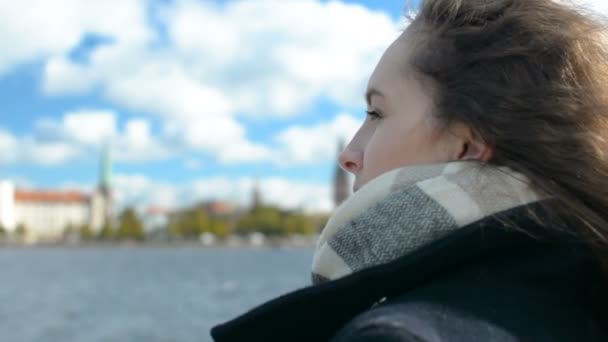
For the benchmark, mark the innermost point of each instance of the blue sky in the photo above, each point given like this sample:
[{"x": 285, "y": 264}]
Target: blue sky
[{"x": 195, "y": 98}]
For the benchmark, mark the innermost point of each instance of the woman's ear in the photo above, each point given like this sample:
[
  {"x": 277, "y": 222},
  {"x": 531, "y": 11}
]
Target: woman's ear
[
  {"x": 476, "y": 150},
  {"x": 470, "y": 145}
]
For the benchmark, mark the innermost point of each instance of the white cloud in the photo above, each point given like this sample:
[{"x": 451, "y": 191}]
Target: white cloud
[
  {"x": 47, "y": 28},
  {"x": 46, "y": 153},
  {"x": 92, "y": 127},
  {"x": 142, "y": 192},
  {"x": 244, "y": 151},
  {"x": 312, "y": 144},
  {"x": 196, "y": 116},
  {"x": 280, "y": 62},
  {"x": 222, "y": 137},
  {"x": 237, "y": 190},
  {"x": 166, "y": 89},
  {"x": 88, "y": 130},
  {"x": 65, "y": 77},
  {"x": 78, "y": 134},
  {"x": 137, "y": 133},
  {"x": 282, "y": 192},
  {"x": 289, "y": 194},
  {"x": 8, "y": 147},
  {"x": 217, "y": 64},
  {"x": 15, "y": 149},
  {"x": 137, "y": 143}
]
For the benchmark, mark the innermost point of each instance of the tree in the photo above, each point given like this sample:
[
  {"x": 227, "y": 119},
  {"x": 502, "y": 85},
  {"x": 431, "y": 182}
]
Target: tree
[
  {"x": 273, "y": 221},
  {"x": 21, "y": 230},
  {"x": 107, "y": 233},
  {"x": 219, "y": 227},
  {"x": 130, "y": 227},
  {"x": 183, "y": 224},
  {"x": 2, "y": 231},
  {"x": 298, "y": 224},
  {"x": 194, "y": 222},
  {"x": 266, "y": 220},
  {"x": 86, "y": 233},
  {"x": 201, "y": 222},
  {"x": 69, "y": 230},
  {"x": 174, "y": 228}
]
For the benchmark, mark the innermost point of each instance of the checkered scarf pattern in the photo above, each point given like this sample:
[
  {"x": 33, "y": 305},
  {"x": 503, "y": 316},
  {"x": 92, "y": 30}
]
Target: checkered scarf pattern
[{"x": 408, "y": 208}]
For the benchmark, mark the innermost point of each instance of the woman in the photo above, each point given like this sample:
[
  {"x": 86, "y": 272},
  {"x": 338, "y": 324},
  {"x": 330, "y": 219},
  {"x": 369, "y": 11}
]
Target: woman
[{"x": 481, "y": 203}]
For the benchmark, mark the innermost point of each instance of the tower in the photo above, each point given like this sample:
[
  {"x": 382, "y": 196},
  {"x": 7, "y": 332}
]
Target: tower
[
  {"x": 256, "y": 200},
  {"x": 105, "y": 184},
  {"x": 341, "y": 184}
]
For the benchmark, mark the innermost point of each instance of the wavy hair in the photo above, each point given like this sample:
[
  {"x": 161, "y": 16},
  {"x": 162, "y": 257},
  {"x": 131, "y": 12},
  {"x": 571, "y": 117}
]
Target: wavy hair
[{"x": 531, "y": 78}]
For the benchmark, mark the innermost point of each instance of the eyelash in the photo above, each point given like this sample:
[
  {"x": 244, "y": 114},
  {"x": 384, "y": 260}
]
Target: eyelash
[{"x": 373, "y": 115}]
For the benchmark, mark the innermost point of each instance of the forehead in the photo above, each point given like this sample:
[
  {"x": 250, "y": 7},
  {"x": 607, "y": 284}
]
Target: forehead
[
  {"x": 392, "y": 67},
  {"x": 403, "y": 92}
]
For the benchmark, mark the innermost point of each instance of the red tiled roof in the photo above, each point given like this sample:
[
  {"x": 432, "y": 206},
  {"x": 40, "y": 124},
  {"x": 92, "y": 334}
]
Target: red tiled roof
[
  {"x": 50, "y": 196},
  {"x": 220, "y": 208},
  {"x": 156, "y": 211}
]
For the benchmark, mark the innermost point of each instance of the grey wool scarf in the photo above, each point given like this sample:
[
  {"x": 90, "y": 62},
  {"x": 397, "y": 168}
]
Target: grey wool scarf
[{"x": 408, "y": 208}]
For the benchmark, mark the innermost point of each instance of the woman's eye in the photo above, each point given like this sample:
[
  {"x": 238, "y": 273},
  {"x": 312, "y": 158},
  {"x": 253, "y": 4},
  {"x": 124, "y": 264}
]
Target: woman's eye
[{"x": 373, "y": 115}]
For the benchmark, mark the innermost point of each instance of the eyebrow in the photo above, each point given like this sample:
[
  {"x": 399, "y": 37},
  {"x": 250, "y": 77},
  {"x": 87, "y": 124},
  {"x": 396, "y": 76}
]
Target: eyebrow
[{"x": 371, "y": 92}]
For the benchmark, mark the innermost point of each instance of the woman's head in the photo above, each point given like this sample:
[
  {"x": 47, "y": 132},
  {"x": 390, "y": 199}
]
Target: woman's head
[
  {"x": 400, "y": 128},
  {"x": 518, "y": 83}
]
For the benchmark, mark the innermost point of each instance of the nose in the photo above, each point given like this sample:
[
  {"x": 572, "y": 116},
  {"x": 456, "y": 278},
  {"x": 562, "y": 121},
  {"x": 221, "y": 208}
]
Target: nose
[{"x": 351, "y": 160}]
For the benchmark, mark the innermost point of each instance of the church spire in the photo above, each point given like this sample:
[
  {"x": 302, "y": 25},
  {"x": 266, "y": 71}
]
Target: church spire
[
  {"x": 105, "y": 186},
  {"x": 105, "y": 175},
  {"x": 341, "y": 183},
  {"x": 256, "y": 198}
]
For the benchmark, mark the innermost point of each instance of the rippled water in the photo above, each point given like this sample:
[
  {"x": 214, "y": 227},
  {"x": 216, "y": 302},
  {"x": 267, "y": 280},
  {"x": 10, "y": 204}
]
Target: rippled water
[{"x": 137, "y": 294}]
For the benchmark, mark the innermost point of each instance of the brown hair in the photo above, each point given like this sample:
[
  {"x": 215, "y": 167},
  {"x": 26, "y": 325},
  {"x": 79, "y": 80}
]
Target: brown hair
[{"x": 531, "y": 78}]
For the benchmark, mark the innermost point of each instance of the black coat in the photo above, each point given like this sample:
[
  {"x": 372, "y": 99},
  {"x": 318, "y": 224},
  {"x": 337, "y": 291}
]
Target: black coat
[{"x": 485, "y": 282}]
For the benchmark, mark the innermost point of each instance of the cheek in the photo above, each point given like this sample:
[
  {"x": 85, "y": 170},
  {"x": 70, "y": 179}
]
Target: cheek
[
  {"x": 385, "y": 151},
  {"x": 393, "y": 146}
]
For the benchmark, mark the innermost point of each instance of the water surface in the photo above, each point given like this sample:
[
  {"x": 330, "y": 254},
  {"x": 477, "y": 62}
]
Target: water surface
[{"x": 137, "y": 293}]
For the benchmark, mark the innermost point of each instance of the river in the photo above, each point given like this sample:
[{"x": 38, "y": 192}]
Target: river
[{"x": 137, "y": 293}]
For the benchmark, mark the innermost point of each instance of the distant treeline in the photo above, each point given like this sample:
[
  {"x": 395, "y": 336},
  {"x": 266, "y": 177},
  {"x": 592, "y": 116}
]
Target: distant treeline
[{"x": 268, "y": 220}]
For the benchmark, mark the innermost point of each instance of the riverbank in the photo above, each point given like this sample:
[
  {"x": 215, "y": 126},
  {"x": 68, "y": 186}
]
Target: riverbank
[{"x": 253, "y": 241}]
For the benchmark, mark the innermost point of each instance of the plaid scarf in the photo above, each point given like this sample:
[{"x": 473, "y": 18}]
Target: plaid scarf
[{"x": 407, "y": 208}]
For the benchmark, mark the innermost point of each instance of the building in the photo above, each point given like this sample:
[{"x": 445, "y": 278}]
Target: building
[
  {"x": 7, "y": 205},
  {"x": 46, "y": 214},
  {"x": 341, "y": 182},
  {"x": 219, "y": 208},
  {"x": 256, "y": 197}
]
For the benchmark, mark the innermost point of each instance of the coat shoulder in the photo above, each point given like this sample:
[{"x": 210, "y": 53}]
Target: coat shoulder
[{"x": 419, "y": 322}]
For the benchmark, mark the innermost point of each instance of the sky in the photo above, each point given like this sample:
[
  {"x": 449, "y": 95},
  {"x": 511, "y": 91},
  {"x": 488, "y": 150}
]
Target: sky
[{"x": 197, "y": 99}]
